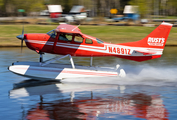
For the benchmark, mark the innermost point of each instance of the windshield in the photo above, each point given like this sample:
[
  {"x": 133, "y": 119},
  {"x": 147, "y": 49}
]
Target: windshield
[
  {"x": 99, "y": 41},
  {"x": 52, "y": 33}
]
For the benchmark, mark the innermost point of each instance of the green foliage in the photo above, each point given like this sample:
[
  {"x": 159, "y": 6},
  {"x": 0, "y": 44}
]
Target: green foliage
[
  {"x": 1, "y": 3},
  {"x": 67, "y": 4},
  {"x": 29, "y": 5},
  {"x": 145, "y": 6},
  {"x": 37, "y": 5},
  {"x": 157, "y": 7},
  {"x": 171, "y": 4},
  {"x": 97, "y": 7}
]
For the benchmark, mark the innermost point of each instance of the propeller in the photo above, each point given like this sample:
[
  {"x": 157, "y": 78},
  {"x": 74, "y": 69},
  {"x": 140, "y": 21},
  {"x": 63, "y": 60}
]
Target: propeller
[{"x": 21, "y": 37}]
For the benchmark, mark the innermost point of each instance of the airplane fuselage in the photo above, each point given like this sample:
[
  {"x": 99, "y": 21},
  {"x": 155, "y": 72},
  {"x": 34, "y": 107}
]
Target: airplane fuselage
[{"x": 96, "y": 48}]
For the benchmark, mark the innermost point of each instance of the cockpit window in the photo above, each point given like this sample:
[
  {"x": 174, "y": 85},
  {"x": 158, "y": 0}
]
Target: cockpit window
[
  {"x": 99, "y": 41},
  {"x": 65, "y": 37},
  {"x": 52, "y": 33}
]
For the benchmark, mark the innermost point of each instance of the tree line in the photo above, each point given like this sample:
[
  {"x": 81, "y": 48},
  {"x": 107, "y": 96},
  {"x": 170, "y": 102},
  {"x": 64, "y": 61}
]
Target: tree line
[{"x": 95, "y": 7}]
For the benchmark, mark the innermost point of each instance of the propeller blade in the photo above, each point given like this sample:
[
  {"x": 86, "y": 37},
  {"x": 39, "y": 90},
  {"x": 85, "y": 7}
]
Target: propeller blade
[
  {"x": 23, "y": 31},
  {"x": 21, "y": 37},
  {"x": 21, "y": 45}
]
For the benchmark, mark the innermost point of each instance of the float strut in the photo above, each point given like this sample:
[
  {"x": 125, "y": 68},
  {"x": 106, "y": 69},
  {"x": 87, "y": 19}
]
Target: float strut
[
  {"x": 40, "y": 59},
  {"x": 57, "y": 58}
]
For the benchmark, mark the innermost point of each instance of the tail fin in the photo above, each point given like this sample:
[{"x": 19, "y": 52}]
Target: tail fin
[{"x": 156, "y": 39}]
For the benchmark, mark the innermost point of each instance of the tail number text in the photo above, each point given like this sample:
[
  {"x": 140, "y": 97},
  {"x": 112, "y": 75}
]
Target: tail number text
[{"x": 123, "y": 51}]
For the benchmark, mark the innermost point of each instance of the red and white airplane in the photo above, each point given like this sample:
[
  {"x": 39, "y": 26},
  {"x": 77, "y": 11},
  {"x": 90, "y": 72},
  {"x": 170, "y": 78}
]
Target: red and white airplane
[{"x": 68, "y": 40}]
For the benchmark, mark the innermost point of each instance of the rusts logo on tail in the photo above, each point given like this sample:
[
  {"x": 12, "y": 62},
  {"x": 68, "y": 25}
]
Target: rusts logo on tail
[{"x": 156, "y": 41}]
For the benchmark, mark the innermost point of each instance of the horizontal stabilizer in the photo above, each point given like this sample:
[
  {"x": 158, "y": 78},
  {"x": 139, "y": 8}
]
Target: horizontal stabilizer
[{"x": 144, "y": 53}]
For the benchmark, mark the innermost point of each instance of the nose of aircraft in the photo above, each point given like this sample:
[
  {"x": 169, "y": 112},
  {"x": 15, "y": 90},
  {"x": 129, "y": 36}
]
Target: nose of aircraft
[{"x": 20, "y": 37}]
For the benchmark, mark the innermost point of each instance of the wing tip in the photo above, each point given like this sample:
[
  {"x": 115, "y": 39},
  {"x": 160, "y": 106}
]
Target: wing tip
[{"x": 165, "y": 23}]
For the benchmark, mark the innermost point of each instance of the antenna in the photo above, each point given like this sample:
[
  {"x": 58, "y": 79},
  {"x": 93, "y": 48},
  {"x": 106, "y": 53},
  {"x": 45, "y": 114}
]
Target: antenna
[{"x": 75, "y": 27}]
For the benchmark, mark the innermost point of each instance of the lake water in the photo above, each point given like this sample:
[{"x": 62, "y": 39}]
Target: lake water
[{"x": 148, "y": 92}]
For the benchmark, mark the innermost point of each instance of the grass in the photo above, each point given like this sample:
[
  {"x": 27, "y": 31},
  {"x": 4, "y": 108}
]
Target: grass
[{"x": 113, "y": 34}]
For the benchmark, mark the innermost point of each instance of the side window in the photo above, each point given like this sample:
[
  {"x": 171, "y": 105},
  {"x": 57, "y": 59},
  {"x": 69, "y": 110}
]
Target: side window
[
  {"x": 78, "y": 39},
  {"x": 65, "y": 37},
  {"x": 88, "y": 41}
]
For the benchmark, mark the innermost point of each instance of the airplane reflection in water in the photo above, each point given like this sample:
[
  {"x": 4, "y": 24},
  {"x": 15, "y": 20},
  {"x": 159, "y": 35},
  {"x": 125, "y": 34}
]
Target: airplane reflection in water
[{"x": 91, "y": 101}]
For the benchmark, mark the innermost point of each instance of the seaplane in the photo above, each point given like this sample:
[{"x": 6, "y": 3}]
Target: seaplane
[{"x": 68, "y": 41}]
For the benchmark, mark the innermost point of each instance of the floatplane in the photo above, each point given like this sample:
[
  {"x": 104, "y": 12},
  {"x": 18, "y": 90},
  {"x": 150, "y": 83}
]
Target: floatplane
[{"x": 68, "y": 40}]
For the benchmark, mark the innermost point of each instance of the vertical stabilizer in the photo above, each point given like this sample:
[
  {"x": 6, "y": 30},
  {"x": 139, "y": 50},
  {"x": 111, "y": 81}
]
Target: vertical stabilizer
[{"x": 156, "y": 39}]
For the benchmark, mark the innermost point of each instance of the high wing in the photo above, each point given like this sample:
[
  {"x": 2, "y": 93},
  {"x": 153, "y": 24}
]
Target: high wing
[{"x": 65, "y": 28}]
